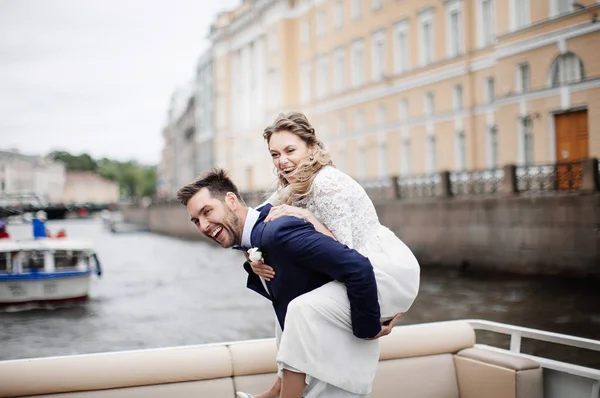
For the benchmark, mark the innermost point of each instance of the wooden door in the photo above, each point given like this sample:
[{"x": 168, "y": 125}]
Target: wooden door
[{"x": 571, "y": 146}]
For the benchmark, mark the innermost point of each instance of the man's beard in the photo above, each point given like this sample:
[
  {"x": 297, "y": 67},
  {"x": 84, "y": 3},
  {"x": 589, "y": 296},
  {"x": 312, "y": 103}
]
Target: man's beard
[{"x": 232, "y": 223}]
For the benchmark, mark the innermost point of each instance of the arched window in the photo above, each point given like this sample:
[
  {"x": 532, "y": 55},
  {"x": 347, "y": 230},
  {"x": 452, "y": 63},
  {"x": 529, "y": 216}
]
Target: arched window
[{"x": 566, "y": 69}]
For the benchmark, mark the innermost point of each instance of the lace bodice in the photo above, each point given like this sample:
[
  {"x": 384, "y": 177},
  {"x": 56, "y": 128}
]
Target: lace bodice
[{"x": 342, "y": 205}]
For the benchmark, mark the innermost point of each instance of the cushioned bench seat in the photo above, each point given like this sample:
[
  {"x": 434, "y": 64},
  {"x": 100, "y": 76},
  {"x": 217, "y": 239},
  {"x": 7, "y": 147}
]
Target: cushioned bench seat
[{"x": 436, "y": 360}]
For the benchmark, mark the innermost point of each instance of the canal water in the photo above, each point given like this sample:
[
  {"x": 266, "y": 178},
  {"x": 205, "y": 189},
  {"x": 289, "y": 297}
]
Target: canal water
[{"x": 157, "y": 291}]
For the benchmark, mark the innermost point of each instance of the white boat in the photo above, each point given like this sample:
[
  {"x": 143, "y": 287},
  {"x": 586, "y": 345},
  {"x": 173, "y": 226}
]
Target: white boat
[
  {"x": 431, "y": 360},
  {"x": 46, "y": 271}
]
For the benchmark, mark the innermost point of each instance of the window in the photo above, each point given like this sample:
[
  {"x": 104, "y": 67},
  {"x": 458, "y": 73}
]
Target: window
[
  {"x": 273, "y": 42},
  {"x": 519, "y": 14},
  {"x": 406, "y": 157},
  {"x": 381, "y": 116},
  {"x": 378, "y": 56},
  {"x": 341, "y": 125},
  {"x": 359, "y": 121},
  {"x": 339, "y": 14},
  {"x": 489, "y": 90},
  {"x": 305, "y": 83},
  {"x": 527, "y": 134},
  {"x": 358, "y": 61},
  {"x": 558, "y": 7},
  {"x": 487, "y": 23},
  {"x": 566, "y": 69},
  {"x": 493, "y": 146},
  {"x": 431, "y": 154},
  {"x": 340, "y": 68},
  {"x": 460, "y": 150},
  {"x": 428, "y": 106},
  {"x": 403, "y": 110},
  {"x": 426, "y": 38},
  {"x": 356, "y": 9},
  {"x": 361, "y": 171},
  {"x": 322, "y": 76},
  {"x": 376, "y": 5},
  {"x": 401, "y": 48},
  {"x": 383, "y": 160},
  {"x": 523, "y": 82},
  {"x": 457, "y": 97},
  {"x": 341, "y": 163},
  {"x": 320, "y": 24},
  {"x": 304, "y": 31},
  {"x": 454, "y": 46}
]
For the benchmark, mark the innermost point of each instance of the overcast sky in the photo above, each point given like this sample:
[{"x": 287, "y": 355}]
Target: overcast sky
[{"x": 96, "y": 76}]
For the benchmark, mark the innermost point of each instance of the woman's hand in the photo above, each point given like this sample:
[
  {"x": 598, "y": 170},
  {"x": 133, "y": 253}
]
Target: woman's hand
[
  {"x": 287, "y": 210},
  {"x": 261, "y": 269},
  {"x": 386, "y": 327}
]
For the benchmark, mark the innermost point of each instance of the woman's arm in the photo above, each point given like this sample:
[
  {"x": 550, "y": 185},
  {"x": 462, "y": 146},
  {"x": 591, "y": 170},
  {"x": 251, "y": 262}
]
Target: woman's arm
[
  {"x": 331, "y": 199},
  {"x": 299, "y": 212}
]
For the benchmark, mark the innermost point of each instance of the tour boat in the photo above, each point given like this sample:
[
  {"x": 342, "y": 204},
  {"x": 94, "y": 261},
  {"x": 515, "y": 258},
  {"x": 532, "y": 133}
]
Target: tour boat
[{"x": 46, "y": 270}]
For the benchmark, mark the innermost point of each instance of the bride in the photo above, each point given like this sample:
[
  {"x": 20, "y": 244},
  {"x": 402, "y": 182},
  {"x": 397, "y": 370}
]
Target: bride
[{"x": 318, "y": 325}]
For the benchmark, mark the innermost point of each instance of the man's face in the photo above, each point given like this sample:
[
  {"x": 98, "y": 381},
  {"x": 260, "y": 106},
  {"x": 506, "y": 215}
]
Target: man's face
[{"x": 216, "y": 219}]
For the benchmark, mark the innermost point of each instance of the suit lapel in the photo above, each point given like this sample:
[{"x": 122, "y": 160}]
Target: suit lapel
[
  {"x": 259, "y": 226},
  {"x": 257, "y": 232}
]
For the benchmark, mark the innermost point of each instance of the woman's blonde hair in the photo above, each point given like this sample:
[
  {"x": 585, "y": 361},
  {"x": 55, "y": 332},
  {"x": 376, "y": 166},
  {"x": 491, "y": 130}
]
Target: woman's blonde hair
[{"x": 297, "y": 124}]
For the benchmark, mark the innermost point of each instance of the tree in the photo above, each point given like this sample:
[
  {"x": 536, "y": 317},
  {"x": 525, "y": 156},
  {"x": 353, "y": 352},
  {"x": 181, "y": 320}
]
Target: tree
[{"x": 135, "y": 180}]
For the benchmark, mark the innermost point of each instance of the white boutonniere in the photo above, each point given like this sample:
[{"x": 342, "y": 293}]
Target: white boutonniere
[{"x": 255, "y": 255}]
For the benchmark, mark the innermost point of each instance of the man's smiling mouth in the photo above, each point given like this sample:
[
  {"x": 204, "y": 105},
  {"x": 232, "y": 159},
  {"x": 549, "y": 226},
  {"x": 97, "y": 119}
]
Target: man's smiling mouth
[{"x": 216, "y": 232}]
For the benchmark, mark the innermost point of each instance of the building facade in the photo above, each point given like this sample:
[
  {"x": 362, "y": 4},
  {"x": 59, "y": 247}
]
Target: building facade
[
  {"x": 177, "y": 166},
  {"x": 404, "y": 87},
  {"x": 165, "y": 170},
  {"x": 84, "y": 187},
  {"x": 205, "y": 111},
  {"x": 31, "y": 175}
]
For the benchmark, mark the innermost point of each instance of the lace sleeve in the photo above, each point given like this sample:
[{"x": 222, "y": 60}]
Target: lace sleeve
[
  {"x": 331, "y": 201},
  {"x": 274, "y": 199}
]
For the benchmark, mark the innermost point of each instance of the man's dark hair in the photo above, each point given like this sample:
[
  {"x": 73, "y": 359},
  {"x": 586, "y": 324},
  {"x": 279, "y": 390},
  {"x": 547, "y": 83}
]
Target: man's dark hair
[{"x": 216, "y": 181}]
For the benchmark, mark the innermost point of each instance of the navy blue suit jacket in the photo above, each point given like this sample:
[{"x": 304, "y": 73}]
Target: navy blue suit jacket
[{"x": 303, "y": 260}]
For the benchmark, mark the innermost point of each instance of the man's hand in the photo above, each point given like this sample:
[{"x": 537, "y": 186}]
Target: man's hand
[{"x": 386, "y": 327}]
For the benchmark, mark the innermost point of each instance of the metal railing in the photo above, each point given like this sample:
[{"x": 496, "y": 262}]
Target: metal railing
[
  {"x": 549, "y": 177},
  {"x": 476, "y": 182},
  {"x": 517, "y": 333},
  {"x": 428, "y": 185}
]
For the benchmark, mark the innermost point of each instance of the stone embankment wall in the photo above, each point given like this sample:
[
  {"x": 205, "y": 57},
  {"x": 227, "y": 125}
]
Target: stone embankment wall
[{"x": 543, "y": 234}]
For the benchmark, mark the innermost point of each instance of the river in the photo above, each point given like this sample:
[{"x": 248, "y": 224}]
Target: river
[{"x": 158, "y": 291}]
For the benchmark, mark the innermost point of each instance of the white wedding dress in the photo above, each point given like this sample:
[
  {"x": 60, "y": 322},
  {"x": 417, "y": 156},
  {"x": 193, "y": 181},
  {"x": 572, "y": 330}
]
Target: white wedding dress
[{"x": 318, "y": 337}]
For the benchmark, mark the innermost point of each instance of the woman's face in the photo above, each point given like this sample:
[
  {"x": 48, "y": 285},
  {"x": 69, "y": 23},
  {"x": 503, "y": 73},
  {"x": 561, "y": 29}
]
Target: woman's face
[{"x": 288, "y": 151}]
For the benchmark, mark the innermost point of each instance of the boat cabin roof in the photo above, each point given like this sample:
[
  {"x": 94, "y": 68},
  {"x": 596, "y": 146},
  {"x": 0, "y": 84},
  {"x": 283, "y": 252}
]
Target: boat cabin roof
[{"x": 44, "y": 244}]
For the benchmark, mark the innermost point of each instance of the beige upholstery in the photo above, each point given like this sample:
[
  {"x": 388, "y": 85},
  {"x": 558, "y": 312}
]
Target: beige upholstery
[
  {"x": 254, "y": 366},
  {"x": 420, "y": 361},
  {"x": 495, "y": 358},
  {"x": 253, "y": 357},
  {"x": 482, "y": 373},
  {"x": 254, "y": 383},
  {"x": 422, "y": 339},
  {"x": 189, "y": 389},
  {"x": 113, "y": 370},
  {"x": 429, "y": 376}
]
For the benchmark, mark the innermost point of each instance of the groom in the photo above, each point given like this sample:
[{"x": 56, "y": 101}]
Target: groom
[{"x": 303, "y": 258}]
